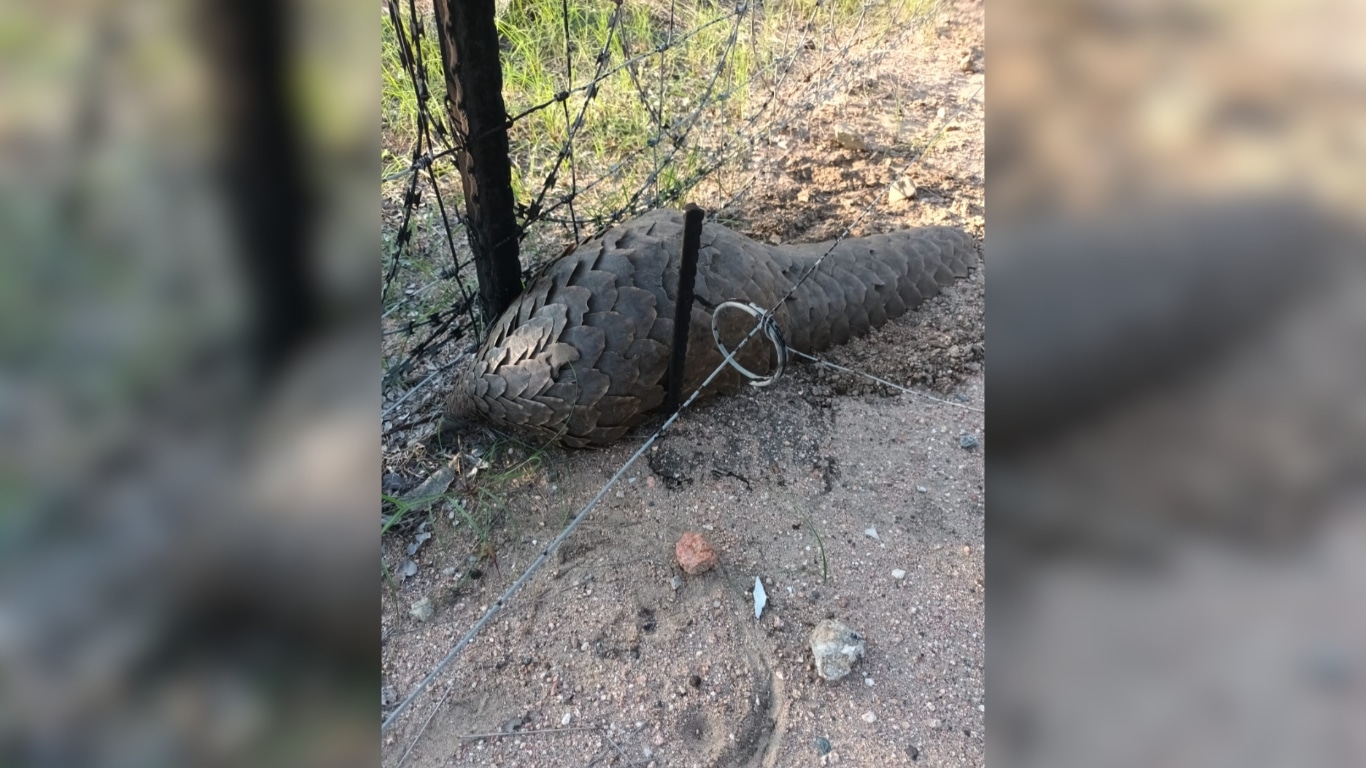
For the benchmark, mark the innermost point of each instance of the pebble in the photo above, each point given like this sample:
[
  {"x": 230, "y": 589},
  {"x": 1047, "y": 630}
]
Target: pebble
[
  {"x": 835, "y": 647},
  {"x": 694, "y": 554},
  {"x": 850, "y": 140},
  {"x": 922, "y": 489},
  {"x": 567, "y": 717},
  {"x": 871, "y": 533},
  {"x": 822, "y": 745},
  {"x": 898, "y": 574},
  {"x": 901, "y": 189},
  {"x": 869, "y": 717},
  {"x": 423, "y": 609},
  {"x": 968, "y": 442}
]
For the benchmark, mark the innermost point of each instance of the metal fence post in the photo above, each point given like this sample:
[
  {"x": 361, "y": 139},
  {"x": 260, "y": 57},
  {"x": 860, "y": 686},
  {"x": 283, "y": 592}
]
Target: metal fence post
[{"x": 687, "y": 273}]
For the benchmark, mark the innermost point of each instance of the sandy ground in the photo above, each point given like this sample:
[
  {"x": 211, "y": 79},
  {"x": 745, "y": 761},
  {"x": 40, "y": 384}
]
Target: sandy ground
[{"x": 611, "y": 655}]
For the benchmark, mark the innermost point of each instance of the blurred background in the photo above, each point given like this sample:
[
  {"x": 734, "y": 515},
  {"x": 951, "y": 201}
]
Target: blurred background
[
  {"x": 1176, "y": 312},
  {"x": 187, "y": 386},
  {"x": 1176, "y": 316}
]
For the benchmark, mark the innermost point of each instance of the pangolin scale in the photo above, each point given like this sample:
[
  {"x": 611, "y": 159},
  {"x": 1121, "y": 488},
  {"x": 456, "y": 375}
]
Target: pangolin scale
[{"x": 583, "y": 354}]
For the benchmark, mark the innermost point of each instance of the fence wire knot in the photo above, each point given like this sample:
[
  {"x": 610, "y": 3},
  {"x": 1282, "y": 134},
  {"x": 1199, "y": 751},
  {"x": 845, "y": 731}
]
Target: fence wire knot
[{"x": 768, "y": 325}]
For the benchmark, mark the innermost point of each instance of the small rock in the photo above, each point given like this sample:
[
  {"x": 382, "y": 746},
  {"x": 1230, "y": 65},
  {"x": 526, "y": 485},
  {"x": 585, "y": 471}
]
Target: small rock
[
  {"x": 968, "y": 442},
  {"x": 512, "y": 724},
  {"x": 760, "y": 598},
  {"x": 431, "y": 489},
  {"x": 871, "y": 533},
  {"x": 901, "y": 189},
  {"x": 835, "y": 647},
  {"x": 868, "y": 681},
  {"x": 804, "y": 196},
  {"x": 695, "y": 554},
  {"x": 775, "y": 239},
  {"x": 921, "y": 489},
  {"x": 407, "y": 570},
  {"x": 850, "y": 140},
  {"x": 898, "y": 574},
  {"x": 913, "y": 751},
  {"x": 422, "y": 610},
  {"x": 567, "y": 717},
  {"x": 822, "y": 745},
  {"x": 869, "y": 717},
  {"x": 675, "y": 582}
]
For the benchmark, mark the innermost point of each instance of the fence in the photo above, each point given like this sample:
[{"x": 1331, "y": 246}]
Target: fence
[{"x": 617, "y": 107}]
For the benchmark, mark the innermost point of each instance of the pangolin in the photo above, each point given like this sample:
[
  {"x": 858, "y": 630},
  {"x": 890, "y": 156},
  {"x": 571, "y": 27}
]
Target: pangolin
[{"x": 582, "y": 355}]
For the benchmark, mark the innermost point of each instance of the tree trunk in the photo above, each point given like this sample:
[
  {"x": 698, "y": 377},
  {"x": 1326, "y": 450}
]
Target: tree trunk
[{"x": 474, "y": 87}]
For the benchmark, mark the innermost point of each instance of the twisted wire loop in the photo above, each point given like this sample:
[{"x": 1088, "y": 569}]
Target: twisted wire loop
[{"x": 768, "y": 325}]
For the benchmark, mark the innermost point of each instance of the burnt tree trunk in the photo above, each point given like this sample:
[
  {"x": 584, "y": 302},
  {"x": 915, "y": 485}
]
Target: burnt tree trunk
[{"x": 474, "y": 88}]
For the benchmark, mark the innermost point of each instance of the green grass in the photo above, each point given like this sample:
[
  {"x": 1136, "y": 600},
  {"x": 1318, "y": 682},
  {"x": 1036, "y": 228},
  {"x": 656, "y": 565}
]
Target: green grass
[
  {"x": 612, "y": 144},
  {"x": 820, "y": 546}
]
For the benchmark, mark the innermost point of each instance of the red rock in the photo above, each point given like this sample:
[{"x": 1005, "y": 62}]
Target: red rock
[{"x": 695, "y": 554}]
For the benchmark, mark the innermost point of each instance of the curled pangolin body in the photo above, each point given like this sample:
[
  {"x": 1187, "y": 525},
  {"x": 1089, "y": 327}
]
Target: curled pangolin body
[{"x": 583, "y": 354}]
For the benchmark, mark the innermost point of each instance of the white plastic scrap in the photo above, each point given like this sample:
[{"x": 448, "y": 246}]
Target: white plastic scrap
[{"x": 760, "y": 597}]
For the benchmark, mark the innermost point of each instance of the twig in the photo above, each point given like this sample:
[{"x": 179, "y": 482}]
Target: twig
[{"x": 535, "y": 732}]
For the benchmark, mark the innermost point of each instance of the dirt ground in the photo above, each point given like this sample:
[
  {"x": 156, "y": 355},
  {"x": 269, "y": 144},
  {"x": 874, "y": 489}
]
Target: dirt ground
[{"x": 822, "y": 485}]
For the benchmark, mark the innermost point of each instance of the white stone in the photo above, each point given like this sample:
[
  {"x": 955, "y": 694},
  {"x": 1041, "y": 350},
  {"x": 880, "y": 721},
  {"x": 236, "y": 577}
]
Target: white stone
[{"x": 835, "y": 647}]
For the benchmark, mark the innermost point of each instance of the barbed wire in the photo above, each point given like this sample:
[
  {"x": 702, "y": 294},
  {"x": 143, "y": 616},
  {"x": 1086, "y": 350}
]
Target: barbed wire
[{"x": 409, "y": 45}]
